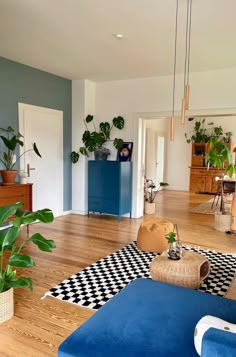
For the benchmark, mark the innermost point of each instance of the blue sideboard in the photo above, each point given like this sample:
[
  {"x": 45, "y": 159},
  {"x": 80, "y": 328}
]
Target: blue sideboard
[{"x": 110, "y": 187}]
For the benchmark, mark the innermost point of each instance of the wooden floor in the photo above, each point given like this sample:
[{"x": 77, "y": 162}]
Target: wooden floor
[{"x": 39, "y": 326}]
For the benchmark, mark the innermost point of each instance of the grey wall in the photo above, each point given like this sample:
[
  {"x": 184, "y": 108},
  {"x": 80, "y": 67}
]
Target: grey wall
[{"x": 20, "y": 83}]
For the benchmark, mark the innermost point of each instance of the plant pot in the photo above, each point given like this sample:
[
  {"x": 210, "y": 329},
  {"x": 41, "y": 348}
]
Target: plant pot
[
  {"x": 222, "y": 222},
  {"x": 174, "y": 251},
  {"x": 8, "y": 177},
  {"x": 101, "y": 154},
  {"x": 149, "y": 208},
  {"x": 6, "y": 305}
]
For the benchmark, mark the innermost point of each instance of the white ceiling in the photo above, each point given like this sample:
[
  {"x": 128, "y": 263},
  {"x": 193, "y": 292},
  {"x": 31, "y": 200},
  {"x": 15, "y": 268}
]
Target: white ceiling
[{"x": 74, "y": 38}]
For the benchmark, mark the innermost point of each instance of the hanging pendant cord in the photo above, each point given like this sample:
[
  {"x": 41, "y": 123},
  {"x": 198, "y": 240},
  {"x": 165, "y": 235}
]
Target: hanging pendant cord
[
  {"x": 186, "y": 48},
  {"x": 189, "y": 37},
  {"x": 175, "y": 55}
]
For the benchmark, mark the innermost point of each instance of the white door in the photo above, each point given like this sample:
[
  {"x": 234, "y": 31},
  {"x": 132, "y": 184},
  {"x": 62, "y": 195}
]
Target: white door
[
  {"x": 45, "y": 127},
  {"x": 160, "y": 159}
]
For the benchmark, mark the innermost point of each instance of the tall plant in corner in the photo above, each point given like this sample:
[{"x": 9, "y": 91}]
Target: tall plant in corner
[{"x": 217, "y": 156}]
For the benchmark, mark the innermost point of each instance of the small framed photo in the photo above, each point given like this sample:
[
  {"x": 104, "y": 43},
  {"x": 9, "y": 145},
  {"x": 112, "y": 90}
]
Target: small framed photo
[{"x": 125, "y": 152}]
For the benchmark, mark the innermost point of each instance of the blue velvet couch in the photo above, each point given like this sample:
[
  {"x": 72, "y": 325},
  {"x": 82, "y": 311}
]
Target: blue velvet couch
[{"x": 153, "y": 319}]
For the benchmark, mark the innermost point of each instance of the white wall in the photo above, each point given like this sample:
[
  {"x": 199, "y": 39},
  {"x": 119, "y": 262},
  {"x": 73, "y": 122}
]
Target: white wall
[
  {"x": 135, "y": 98},
  {"x": 83, "y": 103},
  {"x": 145, "y": 98}
]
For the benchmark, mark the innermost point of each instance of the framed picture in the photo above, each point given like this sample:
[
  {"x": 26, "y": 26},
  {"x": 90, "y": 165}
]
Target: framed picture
[{"x": 125, "y": 152}]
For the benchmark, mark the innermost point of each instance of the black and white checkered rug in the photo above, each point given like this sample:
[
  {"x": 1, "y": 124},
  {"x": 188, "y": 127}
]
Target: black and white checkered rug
[{"x": 95, "y": 285}]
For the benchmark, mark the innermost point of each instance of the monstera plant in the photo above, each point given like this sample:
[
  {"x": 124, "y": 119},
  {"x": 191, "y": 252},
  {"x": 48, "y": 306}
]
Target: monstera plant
[{"x": 94, "y": 140}]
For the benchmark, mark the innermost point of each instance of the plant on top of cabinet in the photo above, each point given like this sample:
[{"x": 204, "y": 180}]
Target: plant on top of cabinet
[
  {"x": 94, "y": 140},
  {"x": 12, "y": 141},
  {"x": 202, "y": 134}
]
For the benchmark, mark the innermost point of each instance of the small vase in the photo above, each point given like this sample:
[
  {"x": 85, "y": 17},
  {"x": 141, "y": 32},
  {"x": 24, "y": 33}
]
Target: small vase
[
  {"x": 174, "y": 251},
  {"x": 6, "y": 305}
]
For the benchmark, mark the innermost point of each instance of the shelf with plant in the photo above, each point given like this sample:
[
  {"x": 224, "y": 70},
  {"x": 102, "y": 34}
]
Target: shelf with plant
[{"x": 95, "y": 139}]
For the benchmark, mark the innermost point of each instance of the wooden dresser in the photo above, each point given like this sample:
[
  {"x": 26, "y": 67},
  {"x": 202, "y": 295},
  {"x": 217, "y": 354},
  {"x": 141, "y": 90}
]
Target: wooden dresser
[
  {"x": 203, "y": 180},
  {"x": 17, "y": 193}
]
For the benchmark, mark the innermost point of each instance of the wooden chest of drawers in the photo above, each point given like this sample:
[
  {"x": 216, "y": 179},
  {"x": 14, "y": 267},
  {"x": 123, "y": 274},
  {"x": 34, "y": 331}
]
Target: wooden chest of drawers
[
  {"x": 204, "y": 180},
  {"x": 17, "y": 193}
]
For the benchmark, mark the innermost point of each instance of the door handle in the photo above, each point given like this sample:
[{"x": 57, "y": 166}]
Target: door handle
[{"x": 28, "y": 169}]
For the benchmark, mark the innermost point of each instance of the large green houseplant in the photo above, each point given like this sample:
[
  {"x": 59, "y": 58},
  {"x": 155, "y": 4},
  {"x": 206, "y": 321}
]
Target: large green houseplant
[
  {"x": 219, "y": 154},
  {"x": 203, "y": 134},
  {"x": 9, "y": 152},
  {"x": 94, "y": 140},
  {"x": 12, "y": 246}
]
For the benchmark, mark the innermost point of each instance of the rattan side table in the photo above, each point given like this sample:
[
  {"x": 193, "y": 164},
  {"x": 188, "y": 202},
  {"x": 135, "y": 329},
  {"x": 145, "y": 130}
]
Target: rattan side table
[{"x": 189, "y": 271}]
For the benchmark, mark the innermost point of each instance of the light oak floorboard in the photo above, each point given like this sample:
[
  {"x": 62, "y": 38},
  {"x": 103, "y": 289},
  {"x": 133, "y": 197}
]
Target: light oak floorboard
[{"x": 39, "y": 326}]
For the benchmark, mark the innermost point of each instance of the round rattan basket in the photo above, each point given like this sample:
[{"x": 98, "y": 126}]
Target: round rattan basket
[{"x": 6, "y": 305}]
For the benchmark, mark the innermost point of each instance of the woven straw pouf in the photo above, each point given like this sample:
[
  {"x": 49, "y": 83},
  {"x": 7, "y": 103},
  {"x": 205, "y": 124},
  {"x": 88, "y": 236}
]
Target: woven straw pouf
[
  {"x": 189, "y": 271},
  {"x": 151, "y": 235}
]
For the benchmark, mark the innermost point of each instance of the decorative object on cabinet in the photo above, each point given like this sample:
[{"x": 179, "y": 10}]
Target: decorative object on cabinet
[
  {"x": 110, "y": 187},
  {"x": 10, "y": 262},
  {"x": 125, "y": 152},
  {"x": 12, "y": 142},
  {"x": 95, "y": 140}
]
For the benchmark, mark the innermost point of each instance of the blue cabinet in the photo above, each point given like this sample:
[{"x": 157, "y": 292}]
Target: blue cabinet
[{"x": 109, "y": 187}]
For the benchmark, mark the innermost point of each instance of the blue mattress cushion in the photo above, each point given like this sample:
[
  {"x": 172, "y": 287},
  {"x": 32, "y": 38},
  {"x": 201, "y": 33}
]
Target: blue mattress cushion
[{"x": 146, "y": 319}]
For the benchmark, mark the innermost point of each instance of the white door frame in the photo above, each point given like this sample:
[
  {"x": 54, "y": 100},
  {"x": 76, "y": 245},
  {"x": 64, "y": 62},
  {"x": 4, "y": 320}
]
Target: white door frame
[
  {"x": 139, "y": 147},
  {"x": 59, "y": 113}
]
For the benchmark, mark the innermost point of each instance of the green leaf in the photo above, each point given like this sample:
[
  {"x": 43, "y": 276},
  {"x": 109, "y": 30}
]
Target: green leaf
[
  {"x": 43, "y": 244},
  {"x": 2, "y": 283},
  {"x": 8, "y": 236},
  {"x": 21, "y": 261},
  {"x": 83, "y": 151},
  {"x": 36, "y": 150},
  {"x": 89, "y": 118},
  {"x": 105, "y": 129},
  {"x": 118, "y": 122},
  {"x": 8, "y": 211},
  {"x": 74, "y": 156},
  {"x": 162, "y": 184},
  {"x": 20, "y": 282},
  {"x": 45, "y": 215},
  {"x": 118, "y": 143}
]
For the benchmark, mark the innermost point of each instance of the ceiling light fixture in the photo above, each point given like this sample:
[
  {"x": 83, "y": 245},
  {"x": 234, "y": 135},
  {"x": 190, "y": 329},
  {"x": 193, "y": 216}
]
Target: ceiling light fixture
[
  {"x": 185, "y": 100},
  {"x": 172, "y": 119},
  {"x": 119, "y": 36}
]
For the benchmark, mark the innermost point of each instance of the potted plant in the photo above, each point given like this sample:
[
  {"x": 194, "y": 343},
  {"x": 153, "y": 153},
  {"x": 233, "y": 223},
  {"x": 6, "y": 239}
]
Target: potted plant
[
  {"x": 11, "y": 251},
  {"x": 94, "y": 140},
  {"x": 150, "y": 192},
  {"x": 12, "y": 141},
  {"x": 174, "y": 251},
  {"x": 218, "y": 155},
  {"x": 201, "y": 134}
]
